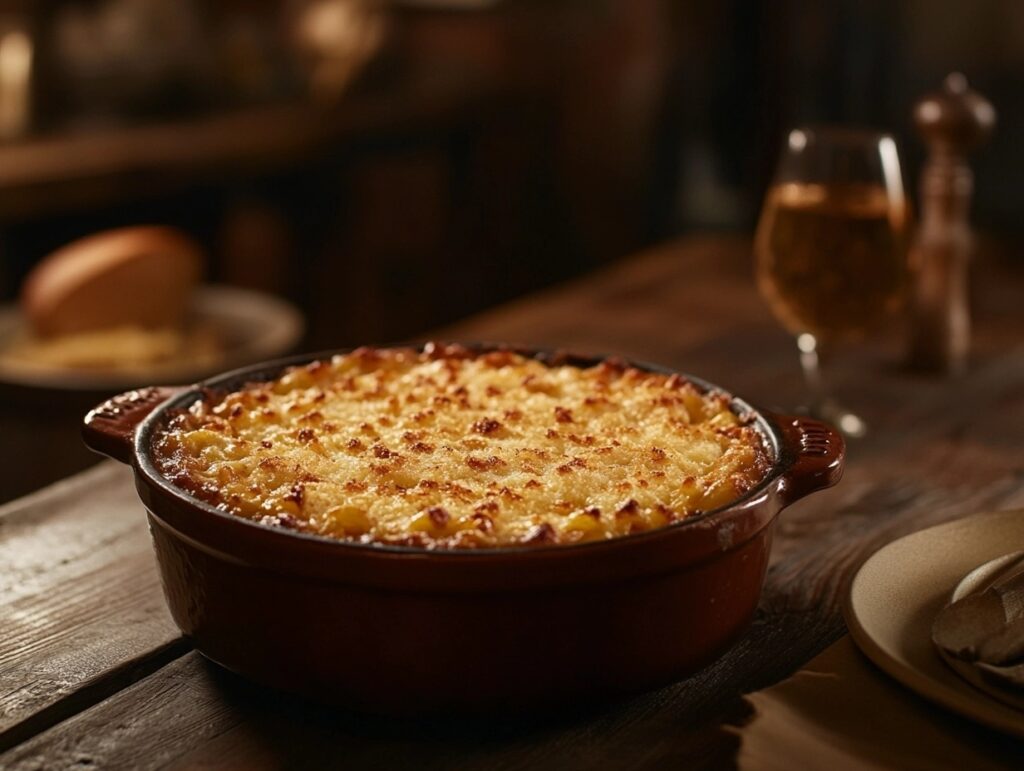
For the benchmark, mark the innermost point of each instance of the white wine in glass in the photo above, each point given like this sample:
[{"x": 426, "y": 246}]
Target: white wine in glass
[{"x": 831, "y": 247}]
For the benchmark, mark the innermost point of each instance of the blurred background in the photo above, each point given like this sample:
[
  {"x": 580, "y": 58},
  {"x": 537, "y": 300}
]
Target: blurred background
[
  {"x": 359, "y": 172},
  {"x": 390, "y": 167}
]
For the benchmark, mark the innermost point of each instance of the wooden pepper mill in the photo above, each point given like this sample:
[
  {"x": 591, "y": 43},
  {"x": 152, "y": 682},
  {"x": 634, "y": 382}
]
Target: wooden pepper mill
[{"x": 952, "y": 122}]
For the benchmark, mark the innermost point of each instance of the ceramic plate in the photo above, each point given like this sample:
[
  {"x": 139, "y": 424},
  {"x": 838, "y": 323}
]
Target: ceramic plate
[
  {"x": 899, "y": 590},
  {"x": 252, "y": 327}
]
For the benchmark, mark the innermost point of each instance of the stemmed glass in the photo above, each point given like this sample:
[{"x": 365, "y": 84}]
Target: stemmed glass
[{"x": 830, "y": 248}]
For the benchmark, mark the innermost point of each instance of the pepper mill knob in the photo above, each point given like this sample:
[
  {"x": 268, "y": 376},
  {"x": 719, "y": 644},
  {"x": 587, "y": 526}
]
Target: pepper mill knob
[
  {"x": 955, "y": 119},
  {"x": 951, "y": 122}
]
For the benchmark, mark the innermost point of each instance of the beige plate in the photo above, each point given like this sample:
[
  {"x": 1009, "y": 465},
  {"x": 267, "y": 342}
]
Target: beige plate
[
  {"x": 253, "y": 326},
  {"x": 897, "y": 593}
]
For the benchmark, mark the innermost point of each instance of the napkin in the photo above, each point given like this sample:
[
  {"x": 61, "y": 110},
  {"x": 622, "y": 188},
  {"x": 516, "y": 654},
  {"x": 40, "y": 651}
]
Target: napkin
[
  {"x": 981, "y": 633},
  {"x": 840, "y": 713}
]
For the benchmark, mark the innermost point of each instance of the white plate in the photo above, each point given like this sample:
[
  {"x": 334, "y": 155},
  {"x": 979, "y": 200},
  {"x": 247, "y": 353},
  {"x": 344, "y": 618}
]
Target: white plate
[
  {"x": 254, "y": 326},
  {"x": 896, "y": 594}
]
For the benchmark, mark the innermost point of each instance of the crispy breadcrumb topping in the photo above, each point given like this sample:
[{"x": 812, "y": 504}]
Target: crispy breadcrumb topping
[{"x": 451, "y": 448}]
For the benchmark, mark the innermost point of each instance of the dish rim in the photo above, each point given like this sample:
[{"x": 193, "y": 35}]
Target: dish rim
[{"x": 783, "y": 459}]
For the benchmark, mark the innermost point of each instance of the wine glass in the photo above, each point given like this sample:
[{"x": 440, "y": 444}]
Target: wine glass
[{"x": 830, "y": 248}]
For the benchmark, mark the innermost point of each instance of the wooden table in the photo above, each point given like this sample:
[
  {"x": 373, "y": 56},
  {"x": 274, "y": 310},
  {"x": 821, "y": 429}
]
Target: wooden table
[{"x": 93, "y": 673}]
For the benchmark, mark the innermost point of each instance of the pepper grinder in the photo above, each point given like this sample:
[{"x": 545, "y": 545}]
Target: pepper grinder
[{"x": 951, "y": 122}]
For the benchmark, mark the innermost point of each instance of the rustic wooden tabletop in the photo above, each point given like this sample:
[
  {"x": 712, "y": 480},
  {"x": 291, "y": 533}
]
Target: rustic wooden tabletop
[{"x": 94, "y": 674}]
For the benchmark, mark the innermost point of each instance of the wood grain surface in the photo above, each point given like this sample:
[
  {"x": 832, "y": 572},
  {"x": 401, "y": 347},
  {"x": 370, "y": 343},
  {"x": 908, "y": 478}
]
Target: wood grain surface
[
  {"x": 83, "y": 614},
  {"x": 938, "y": 449}
]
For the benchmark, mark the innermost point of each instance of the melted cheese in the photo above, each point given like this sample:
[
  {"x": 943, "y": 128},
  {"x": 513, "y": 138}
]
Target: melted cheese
[{"x": 448, "y": 448}]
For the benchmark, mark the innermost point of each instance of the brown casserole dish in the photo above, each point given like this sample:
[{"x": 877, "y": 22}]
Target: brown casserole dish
[{"x": 393, "y": 626}]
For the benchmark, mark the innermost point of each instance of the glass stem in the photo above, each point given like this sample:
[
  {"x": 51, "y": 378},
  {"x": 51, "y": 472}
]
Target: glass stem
[
  {"x": 820, "y": 401},
  {"x": 810, "y": 363}
]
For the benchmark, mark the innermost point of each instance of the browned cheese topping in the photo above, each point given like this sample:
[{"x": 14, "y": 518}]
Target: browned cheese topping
[{"x": 453, "y": 449}]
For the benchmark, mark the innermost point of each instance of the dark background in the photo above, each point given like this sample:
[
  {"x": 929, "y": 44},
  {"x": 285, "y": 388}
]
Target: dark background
[{"x": 479, "y": 154}]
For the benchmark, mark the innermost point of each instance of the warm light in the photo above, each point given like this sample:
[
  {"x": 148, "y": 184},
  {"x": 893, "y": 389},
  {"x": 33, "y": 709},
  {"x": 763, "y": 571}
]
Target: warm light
[
  {"x": 15, "y": 73},
  {"x": 851, "y": 425},
  {"x": 929, "y": 112},
  {"x": 337, "y": 36},
  {"x": 797, "y": 140},
  {"x": 891, "y": 169},
  {"x": 331, "y": 27}
]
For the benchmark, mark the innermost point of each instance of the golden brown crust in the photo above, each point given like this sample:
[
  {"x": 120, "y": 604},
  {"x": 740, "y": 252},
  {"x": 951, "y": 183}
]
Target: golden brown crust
[{"x": 452, "y": 449}]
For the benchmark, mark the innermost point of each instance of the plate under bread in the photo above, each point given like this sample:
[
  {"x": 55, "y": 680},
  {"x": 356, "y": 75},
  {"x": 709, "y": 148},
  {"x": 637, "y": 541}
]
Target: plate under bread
[{"x": 251, "y": 325}]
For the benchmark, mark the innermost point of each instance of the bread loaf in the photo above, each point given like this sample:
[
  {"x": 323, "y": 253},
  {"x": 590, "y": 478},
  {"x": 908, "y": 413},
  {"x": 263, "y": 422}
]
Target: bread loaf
[{"x": 136, "y": 276}]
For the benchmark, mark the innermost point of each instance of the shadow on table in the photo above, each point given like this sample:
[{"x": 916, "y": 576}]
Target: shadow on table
[{"x": 273, "y": 729}]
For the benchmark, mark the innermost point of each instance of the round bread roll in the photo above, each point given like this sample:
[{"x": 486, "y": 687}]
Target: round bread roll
[{"x": 138, "y": 276}]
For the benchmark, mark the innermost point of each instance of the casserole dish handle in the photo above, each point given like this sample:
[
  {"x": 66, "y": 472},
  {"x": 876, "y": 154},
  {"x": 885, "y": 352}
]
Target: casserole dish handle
[
  {"x": 815, "y": 450},
  {"x": 109, "y": 429}
]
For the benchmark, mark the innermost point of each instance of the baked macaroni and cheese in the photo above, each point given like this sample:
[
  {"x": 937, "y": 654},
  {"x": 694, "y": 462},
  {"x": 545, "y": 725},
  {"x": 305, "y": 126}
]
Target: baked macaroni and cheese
[{"x": 450, "y": 448}]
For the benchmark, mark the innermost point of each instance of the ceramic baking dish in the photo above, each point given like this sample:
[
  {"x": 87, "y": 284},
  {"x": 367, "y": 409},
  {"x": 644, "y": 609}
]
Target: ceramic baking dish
[{"x": 407, "y": 630}]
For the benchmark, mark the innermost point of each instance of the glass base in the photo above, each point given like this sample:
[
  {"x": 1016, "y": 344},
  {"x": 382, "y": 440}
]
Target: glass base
[
  {"x": 849, "y": 423},
  {"x": 822, "y": 406}
]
